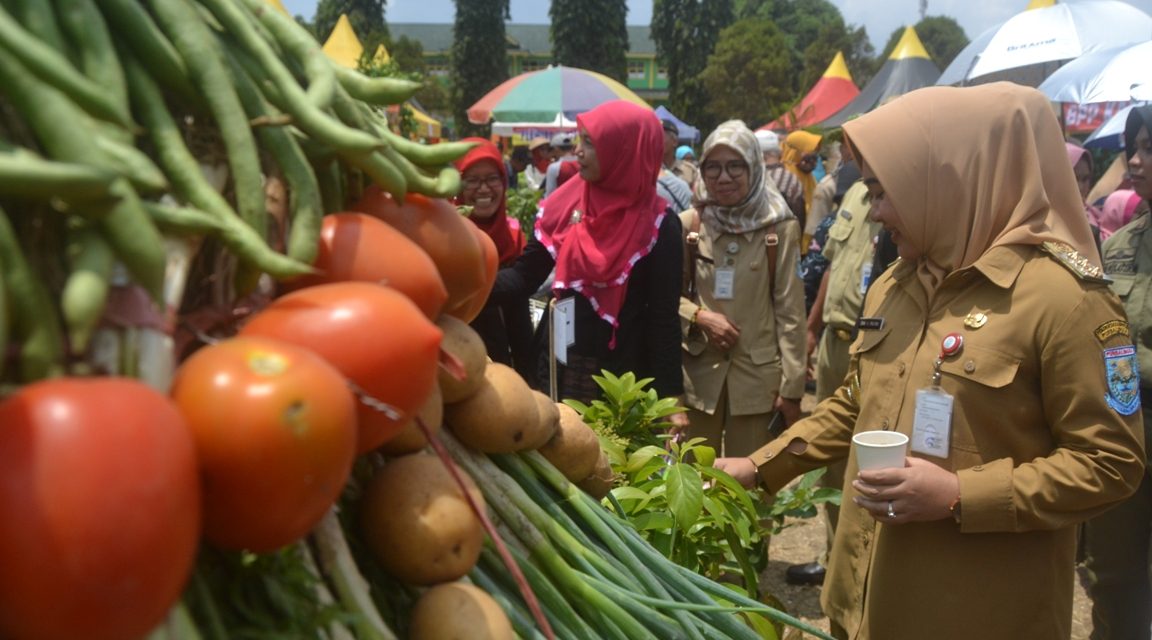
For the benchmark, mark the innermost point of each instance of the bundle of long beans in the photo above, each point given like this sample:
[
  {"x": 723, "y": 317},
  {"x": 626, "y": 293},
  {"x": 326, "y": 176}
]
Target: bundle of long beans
[{"x": 113, "y": 114}]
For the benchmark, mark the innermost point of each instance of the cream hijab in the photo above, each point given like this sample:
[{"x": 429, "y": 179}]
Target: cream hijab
[
  {"x": 761, "y": 207},
  {"x": 970, "y": 169}
]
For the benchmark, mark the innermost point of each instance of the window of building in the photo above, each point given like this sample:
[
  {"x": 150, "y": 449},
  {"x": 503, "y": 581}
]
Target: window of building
[{"x": 636, "y": 70}]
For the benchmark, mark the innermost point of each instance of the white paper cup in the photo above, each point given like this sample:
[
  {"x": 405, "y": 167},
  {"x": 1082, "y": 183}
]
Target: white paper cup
[{"x": 880, "y": 449}]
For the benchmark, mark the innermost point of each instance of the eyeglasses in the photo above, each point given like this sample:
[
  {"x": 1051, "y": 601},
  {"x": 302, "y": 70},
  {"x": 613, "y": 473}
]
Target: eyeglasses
[
  {"x": 493, "y": 181},
  {"x": 735, "y": 169}
]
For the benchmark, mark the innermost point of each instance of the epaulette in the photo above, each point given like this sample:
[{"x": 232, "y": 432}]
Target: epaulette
[{"x": 1066, "y": 255}]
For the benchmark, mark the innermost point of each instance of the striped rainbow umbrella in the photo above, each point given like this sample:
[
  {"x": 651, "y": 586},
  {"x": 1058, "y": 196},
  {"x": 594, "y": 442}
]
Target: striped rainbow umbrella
[{"x": 550, "y": 95}]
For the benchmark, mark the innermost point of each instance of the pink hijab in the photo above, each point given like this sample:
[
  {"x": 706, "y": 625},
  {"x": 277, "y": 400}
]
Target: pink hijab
[
  {"x": 597, "y": 231},
  {"x": 1117, "y": 211}
]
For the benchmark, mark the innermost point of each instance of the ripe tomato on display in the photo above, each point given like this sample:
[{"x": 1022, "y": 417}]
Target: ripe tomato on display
[
  {"x": 375, "y": 336},
  {"x": 99, "y": 509},
  {"x": 437, "y": 226},
  {"x": 357, "y": 246},
  {"x": 468, "y": 309},
  {"x": 275, "y": 431}
]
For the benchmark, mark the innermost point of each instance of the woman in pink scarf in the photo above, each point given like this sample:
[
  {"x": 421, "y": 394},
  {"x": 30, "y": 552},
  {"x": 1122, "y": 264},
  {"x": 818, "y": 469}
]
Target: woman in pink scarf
[
  {"x": 1081, "y": 162},
  {"x": 615, "y": 251},
  {"x": 1118, "y": 209}
]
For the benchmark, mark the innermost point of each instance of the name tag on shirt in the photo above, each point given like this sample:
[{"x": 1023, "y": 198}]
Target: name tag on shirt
[
  {"x": 870, "y": 324},
  {"x": 563, "y": 328}
]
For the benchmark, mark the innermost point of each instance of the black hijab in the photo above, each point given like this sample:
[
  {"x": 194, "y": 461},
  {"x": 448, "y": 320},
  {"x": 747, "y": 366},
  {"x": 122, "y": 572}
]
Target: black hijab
[{"x": 1138, "y": 117}]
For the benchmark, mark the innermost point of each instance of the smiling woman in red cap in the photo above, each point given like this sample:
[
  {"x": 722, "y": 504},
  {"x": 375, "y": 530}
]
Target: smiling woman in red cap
[{"x": 506, "y": 327}]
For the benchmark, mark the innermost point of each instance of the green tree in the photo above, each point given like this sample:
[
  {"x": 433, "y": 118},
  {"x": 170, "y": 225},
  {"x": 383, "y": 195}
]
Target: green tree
[
  {"x": 942, "y": 36},
  {"x": 815, "y": 30},
  {"x": 591, "y": 34},
  {"x": 748, "y": 76},
  {"x": 366, "y": 16},
  {"x": 479, "y": 57},
  {"x": 685, "y": 33}
]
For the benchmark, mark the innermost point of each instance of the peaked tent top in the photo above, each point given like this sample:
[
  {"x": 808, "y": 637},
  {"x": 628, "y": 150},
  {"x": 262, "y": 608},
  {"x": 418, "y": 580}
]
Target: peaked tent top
[
  {"x": 381, "y": 56},
  {"x": 832, "y": 92},
  {"x": 907, "y": 69},
  {"x": 342, "y": 45},
  {"x": 838, "y": 68},
  {"x": 909, "y": 46}
]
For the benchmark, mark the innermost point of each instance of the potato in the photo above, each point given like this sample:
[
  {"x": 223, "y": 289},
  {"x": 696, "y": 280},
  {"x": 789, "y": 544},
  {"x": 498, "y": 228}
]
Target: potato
[
  {"x": 601, "y": 481},
  {"x": 458, "y": 611},
  {"x": 549, "y": 421},
  {"x": 502, "y": 417},
  {"x": 417, "y": 522},
  {"x": 465, "y": 345},
  {"x": 574, "y": 449},
  {"x": 411, "y": 439}
]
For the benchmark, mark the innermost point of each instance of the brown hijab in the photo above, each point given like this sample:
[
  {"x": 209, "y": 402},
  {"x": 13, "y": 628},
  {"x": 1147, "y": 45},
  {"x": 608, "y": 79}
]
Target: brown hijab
[{"x": 969, "y": 169}]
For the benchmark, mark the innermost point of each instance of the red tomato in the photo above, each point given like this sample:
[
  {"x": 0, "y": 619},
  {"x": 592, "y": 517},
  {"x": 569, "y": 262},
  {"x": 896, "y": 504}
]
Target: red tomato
[
  {"x": 100, "y": 509},
  {"x": 275, "y": 430},
  {"x": 356, "y": 246},
  {"x": 375, "y": 336},
  {"x": 467, "y": 310},
  {"x": 441, "y": 231}
]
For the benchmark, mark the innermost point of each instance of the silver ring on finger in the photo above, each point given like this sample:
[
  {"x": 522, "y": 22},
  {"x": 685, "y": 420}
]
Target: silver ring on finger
[{"x": 891, "y": 511}]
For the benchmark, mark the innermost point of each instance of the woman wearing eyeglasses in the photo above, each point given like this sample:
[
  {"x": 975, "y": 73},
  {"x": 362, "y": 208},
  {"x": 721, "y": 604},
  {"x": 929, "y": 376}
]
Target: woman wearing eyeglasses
[
  {"x": 505, "y": 326},
  {"x": 742, "y": 302}
]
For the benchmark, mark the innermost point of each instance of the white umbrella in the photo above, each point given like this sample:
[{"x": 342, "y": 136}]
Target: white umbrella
[
  {"x": 1108, "y": 75},
  {"x": 1046, "y": 36},
  {"x": 1110, "y": 135}
]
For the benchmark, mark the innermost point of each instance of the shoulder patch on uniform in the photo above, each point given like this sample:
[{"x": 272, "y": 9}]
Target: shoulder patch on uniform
[
  {"x": 1063, "y": 253},
  {"x": 1110, "y": 329},
  {"x": 1123, "y": 375}
]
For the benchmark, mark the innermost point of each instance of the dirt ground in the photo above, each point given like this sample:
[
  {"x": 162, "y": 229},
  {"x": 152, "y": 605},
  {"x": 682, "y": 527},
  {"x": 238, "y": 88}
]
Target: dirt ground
[{"x": 803, "y": 541}]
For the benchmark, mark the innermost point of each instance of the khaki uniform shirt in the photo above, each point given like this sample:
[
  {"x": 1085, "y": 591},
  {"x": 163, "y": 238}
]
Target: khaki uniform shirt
[
  {"x": 1035, "y": 442},
  {"x": 821, "y": 204},
  {"x": 768, "y": 359},
  {"x": 1128, "y": 261},
  {"x": 849, "y": 251}
]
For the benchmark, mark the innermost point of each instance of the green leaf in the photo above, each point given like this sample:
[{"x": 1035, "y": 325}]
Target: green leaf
[
  {"x": 685, "y": 495},
  {"x": 730, "y": 484},
  {"x": 642, "y": 457}
]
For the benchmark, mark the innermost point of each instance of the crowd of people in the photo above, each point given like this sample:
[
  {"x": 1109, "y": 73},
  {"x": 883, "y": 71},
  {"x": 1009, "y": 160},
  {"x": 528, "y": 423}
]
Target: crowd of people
[{"x": 954, "y": 285}]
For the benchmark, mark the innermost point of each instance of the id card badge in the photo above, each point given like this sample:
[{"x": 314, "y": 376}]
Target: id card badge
[
  {"x": 725, "y": 281},
  {"x": 563, "y": 312},
  {"x": 932, "y": 422}
]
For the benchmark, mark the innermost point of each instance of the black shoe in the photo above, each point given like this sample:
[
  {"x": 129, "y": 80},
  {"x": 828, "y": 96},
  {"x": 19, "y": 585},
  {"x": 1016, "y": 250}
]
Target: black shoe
[{"x": 807, "y": 573}]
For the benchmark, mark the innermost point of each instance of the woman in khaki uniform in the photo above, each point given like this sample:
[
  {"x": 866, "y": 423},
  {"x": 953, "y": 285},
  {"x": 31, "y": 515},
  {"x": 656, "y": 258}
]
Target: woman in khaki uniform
[
  {"x": 743, "y": 304},
  {"x": 1035, "y": 423}
]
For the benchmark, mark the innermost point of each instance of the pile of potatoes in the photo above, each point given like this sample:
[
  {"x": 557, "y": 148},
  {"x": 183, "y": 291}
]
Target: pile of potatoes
[{"x": 414, "y": 516}]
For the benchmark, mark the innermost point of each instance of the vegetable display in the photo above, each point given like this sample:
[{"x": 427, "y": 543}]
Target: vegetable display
[{"x": 239, "y": 394}]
